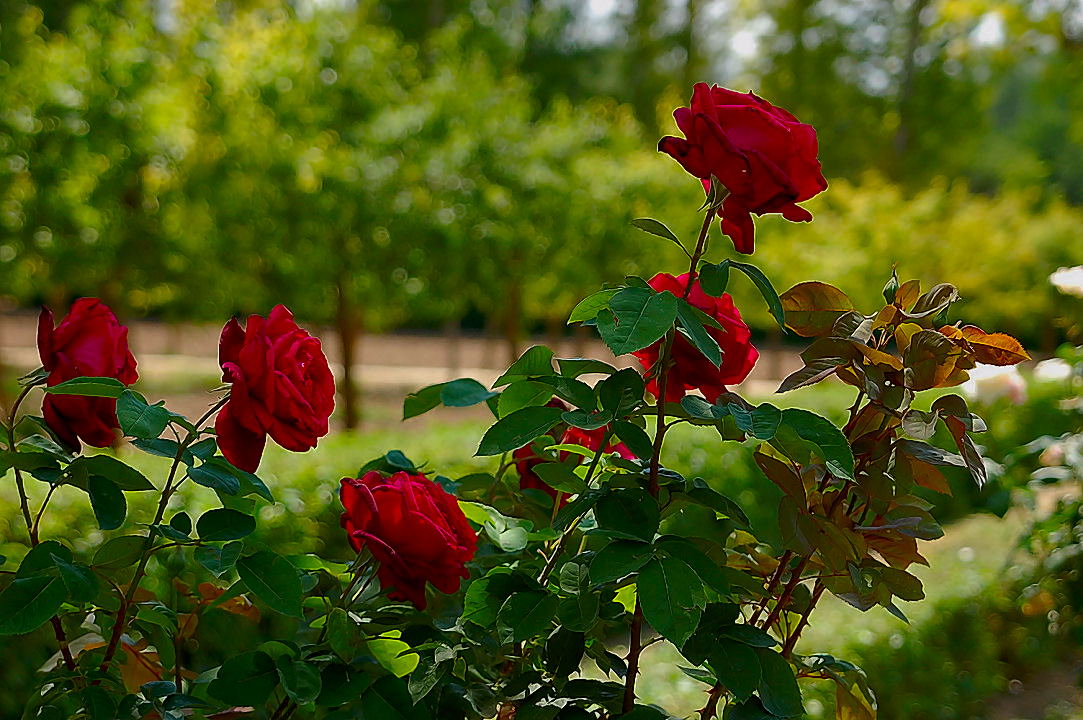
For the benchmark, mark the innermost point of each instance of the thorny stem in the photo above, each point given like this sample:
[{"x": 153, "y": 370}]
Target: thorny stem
[
  {"x": 140, "y": 570},
  {"x": 635, "y": 641},
  {"x": 32, "y": 524}
]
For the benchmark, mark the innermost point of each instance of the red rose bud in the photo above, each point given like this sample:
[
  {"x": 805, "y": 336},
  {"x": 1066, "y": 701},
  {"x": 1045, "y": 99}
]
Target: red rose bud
[
  {"x": 88, "y": 342},
  {"x": 282, "y": 387},
  {"x": 414, "y": 529},
  {"x": 762, "y": 154},
  {"x": 526, "y": 459},
  {"x": 690, "y": 369}
]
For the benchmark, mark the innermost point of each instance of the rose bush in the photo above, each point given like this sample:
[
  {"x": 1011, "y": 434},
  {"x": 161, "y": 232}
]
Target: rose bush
[
  {"x": 532, "y": 585},
  {"x": 88, "y": 342},
  {"x": 691, "y": 370}
]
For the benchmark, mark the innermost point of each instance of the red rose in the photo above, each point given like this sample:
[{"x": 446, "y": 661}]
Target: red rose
[
  {"x": 89, "y": 342},
  {"x": 526, "y": 459},
  {"x": 690, "y": 369},
  {"x": 761, "y": 153},
  {"x": 413, "y": 528},
  {"x": 282, "y": 387}
]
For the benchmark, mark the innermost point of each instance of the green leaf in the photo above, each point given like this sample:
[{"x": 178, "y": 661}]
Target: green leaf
[
  {"x": 108, "y": 502},
  {"x": 669, "y": 597},
  {"x": 827, "y": 441},
  {"x": 526, "y": 614},
  {"x": 27, "y": 603},
  {"x": 216, "y": 478},
  {"x": 219, "y": 560},
  {"x": 464, "y": 392},
  {"x": 523, "y": 394},
  {"x": 300, "y": 680},
  {"x": 272, "y": 579},
  {"x": 119, "y": 552},
  {"x": 618, "y": 559},
  {"x": 420, "y": 402},
  {"x": 518, "y": 429},
  {"x": 774, "y": 304},
  {"x": 536, "y": 361},
  {"x": 89, "y": 387},
  {"x": 653, "y": 227},
  {"x": 636, "y": 317},
  {"x": 630, "y": 514},
  {"x": 246, "y": 679},
  {"x": 80, "y": 581},
  {"x": 139, "y": 419},
  {"x": 224, "y": 524},
  {"x": 635, "y": 437},
  {"x": 561, "y": 476},
  {"x": 589, "y": 307},
  {"x": 574, "y": 367},
  {"x": 707, "y": 570},
  {"x": 778, "y": 685},
  {"x": 760, "y": 422},
  {"x": 697, "y": 334},
  {"x": 393, "y": 653},
  {"x": 343, "y": 634},
  {"x": 99, "y": 704},
  {"x": 389, "y": 699},
  {"x": 736, "y": 666},
  {"x": 124, "y": 476},
  {"x": 714, "y": 278}
]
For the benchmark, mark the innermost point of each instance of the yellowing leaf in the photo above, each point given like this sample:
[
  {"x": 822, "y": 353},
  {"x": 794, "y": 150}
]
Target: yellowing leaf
[
  {"x": 813, "y": 307},
  {"x": 907, "y": 294},
  {"x": 994, "y": 348}
]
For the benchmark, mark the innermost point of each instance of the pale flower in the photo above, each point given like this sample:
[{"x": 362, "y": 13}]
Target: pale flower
[
  {"x": 989, "y": 383},
  {"x": 1069, "y": 280},
  {"x": 1053, "y": 370}
]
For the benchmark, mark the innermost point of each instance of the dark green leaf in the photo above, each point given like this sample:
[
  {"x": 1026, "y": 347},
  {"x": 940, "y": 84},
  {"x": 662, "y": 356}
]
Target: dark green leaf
[
  {"x": 636, "y": 317},
  {"x": 464, "y": 392},
  {"x": 827, "y": 440},
  {"x": 536, "y": 361},
  {"x": 630, "y": 514},
  {"x": 653, "y": 227},
  {"x": 737, "y": 667},
  {"x": 671, "y": 597},
  {"x": 300, "y": 680},
  {"x": 525, "y": 614},
  {"x": 518, "y": 429},
  {"x": 219, "y": 560},
  {"x": 420, "y": 402},
  {"x": 697, "y": 334},
  {"x": 714, "y": 278},
  {"x": 119, "y": 552},
  {"x": 778, "y": 686},
  {"x": 389, "y": 699},
  {"x": 224, "y": 524},
  {"x": 760, "y": 422},
  {"x": 27, "y": 603},
  {"x": 561, "y": 476},
  {"x": 108, "y": 502},
  {"x": 635, "y": 437},
  {"x": 89, "y": 387},
  {"x": 138, "y": 419},
  {"x": 216, "y": 478},
  {"x": 574, "y": 367},
  {"x": 272, "y": 579},
  {"x": 774, "y": 304},
  {"x": 246, "y": 679},
  {"x": 618, "y": 559},
  {"x": 523, "y": 394}
]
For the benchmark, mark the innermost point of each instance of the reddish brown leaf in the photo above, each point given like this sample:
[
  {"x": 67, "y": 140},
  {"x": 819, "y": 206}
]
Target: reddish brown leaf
[{"x": 813, "y": 307}]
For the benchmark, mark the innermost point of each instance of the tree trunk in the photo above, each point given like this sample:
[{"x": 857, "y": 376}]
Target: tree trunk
[
  {"x": 694, "y": 65},
  {"x": 349, "y": 327},
  {"x": 906, "y": 86}
]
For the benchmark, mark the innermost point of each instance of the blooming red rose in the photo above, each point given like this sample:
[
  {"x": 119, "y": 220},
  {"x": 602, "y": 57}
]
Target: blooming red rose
[
  {"x": 88, "y": 342},
  {"x": 414, "y": 529},
  {"x": 526, "y": 459},
  {"x": 690, "y": 369},
  {"x": 764, "y": 156},
  {"x": 282, "y": 387}
]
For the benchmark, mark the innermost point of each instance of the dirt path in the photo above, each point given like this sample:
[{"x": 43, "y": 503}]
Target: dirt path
[{"x": 178, "y": 361}]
